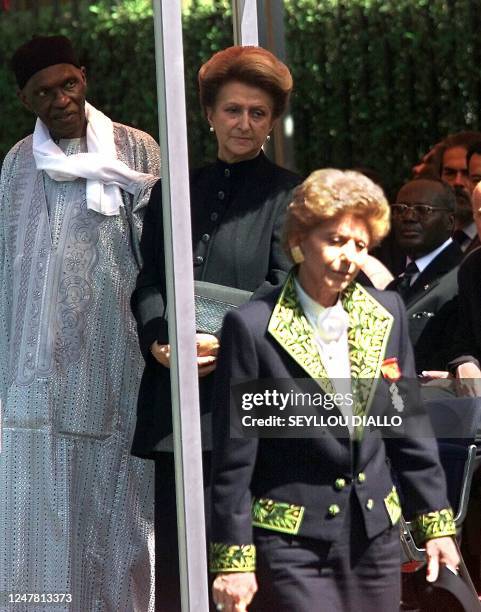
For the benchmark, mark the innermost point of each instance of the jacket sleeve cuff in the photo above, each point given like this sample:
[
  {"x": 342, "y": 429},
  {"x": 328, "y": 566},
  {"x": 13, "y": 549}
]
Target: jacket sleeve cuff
[
  {"x": 232, "y": 558},
  {"x": 156, "y": 329},
  {"x": 435, "y": 524}
]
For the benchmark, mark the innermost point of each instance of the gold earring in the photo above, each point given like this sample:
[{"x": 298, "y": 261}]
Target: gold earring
[{"x": 297, "y": 254}]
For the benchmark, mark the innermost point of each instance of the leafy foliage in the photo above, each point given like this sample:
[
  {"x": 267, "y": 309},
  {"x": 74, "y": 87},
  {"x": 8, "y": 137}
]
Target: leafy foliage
[{"x": 377, "y": 82}]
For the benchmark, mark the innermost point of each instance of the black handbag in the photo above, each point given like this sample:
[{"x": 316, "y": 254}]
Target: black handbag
[{"x": 212, "y": 302}]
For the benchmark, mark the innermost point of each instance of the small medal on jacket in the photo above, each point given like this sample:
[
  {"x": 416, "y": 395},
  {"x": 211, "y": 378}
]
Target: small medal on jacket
[
  {"x": 391, "y": 371},
  {"x": 396, "y": 399}
]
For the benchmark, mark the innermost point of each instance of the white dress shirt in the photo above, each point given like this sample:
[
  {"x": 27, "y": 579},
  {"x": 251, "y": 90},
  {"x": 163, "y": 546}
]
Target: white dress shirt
[{"x": 330, "y": 334}]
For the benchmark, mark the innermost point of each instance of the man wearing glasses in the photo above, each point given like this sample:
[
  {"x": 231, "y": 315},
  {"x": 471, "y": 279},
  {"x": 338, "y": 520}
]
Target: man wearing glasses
[{"x": 423, "y": 222}]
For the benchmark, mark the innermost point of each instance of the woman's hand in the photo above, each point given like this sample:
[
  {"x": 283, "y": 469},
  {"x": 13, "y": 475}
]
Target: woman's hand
[
  {"x": 376, "y": 272},
  {"x": 207, "y": 349},
  {"x": 441, "y": 550},
  {"x": 233, "y": 592},
  {"x": 161, "y": 353}
]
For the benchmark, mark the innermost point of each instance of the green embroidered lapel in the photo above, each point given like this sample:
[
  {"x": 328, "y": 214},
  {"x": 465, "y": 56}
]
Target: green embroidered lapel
[
  {"x": 290, "y": 327},
  {"x": 369, "y": 327},
  {"x": 368, "y": 333}
]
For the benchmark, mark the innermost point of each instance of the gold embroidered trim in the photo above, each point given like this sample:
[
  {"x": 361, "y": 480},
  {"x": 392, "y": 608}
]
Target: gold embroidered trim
[
  {"x": 277, "y": 516},
  {"x": 434, "y": 525},
  {"x": 232, "y": 557},
  {"x": 393, "y": 506}
]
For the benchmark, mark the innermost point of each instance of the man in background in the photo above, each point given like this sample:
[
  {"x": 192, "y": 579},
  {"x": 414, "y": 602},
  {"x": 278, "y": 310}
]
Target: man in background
[
  {"x": 76, "y": 510},
  {"x": 448, "y": 160},
  {"x": 423, "y": 222}
]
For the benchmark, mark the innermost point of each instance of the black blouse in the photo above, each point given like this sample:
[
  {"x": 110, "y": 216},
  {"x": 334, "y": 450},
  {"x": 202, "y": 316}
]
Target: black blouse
[{"x": 238, "y": 212}]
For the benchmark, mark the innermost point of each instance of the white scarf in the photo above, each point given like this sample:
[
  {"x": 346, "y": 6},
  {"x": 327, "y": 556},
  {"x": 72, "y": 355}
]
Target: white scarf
[{"x": 106, "y": 175}]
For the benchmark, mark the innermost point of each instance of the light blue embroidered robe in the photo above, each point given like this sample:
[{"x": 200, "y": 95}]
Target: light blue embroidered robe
[{"x": 76, "y": 510}]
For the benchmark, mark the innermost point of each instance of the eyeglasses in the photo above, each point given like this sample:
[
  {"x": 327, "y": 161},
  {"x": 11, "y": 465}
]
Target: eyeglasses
[{"x": 422, "y": 211}]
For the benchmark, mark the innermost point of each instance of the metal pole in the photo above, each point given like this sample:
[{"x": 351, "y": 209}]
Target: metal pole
[
  {"x": 180, "y": 300},
  {"x": 244, "y": 17}
]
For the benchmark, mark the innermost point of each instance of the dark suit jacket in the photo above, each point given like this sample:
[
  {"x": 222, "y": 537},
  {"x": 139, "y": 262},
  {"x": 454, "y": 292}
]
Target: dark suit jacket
[
  {"x": 466, "y": 344},
  {"x": 237, "y": 218},
  {"x": 302, "y": 486},
  {"x": 434, "y": 287}
]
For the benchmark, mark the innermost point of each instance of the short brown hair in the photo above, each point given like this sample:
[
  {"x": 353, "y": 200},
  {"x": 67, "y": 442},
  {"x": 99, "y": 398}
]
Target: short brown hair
[
  {"x": 328, "y": 193},
  {"x": 432, "y": 163},
  {"x": 253, "y": 66}
]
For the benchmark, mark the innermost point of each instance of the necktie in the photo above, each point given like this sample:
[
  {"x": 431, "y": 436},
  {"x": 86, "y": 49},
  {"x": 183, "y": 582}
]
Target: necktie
[
  {"x": 460, "y": 237},
  {"x": 404, "y": 281}
]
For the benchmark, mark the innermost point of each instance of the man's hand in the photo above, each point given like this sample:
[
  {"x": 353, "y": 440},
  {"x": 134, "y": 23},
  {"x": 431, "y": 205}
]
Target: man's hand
[
  {"x": 207, "y": 349},
  {"x": 468, "y": 380},
  {"x": 233, "y": 591},
  {"x": 440, "y": 550}
]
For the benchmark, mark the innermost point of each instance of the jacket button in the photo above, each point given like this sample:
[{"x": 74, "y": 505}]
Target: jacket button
[
  {"x": 205, "y": 238},
  {"x": 221, "y": 195},
  {"x": 198, "y": 260},
  {"x": 370, "y": 504},
  {"x": 227, "y": 172},
  {"x": 339, "y": 484},
  {"x": 333, "y": 510},
  {"x": 361, "y": 477},
  {"x": 214, "y": 216}
]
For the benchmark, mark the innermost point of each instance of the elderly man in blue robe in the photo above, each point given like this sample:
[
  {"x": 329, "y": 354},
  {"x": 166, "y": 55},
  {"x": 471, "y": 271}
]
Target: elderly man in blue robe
[{"x": 76, "y": 510}]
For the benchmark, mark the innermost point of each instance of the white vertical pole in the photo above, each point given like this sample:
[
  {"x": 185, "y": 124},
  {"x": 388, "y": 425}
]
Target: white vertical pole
[
  {"x": 180, "y": 299},
  {"x": 244, "y": 16}
]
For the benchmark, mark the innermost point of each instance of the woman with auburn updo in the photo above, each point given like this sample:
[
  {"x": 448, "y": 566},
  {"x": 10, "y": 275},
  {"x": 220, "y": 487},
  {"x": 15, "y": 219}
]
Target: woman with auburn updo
[
  {"x": 238, "y": 205},
  {"x": 307, "y": 519}
]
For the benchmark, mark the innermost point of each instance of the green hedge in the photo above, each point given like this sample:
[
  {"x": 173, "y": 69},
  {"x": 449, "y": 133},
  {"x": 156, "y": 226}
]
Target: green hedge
[
  {"x": 379, "y": 81},
  {"x": 376, "y": 81}
]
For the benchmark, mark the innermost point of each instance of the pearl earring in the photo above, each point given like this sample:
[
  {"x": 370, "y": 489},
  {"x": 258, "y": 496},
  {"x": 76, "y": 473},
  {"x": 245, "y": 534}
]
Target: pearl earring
[
  {"x": 211, "y": 129},
  {"x": 297, "y": 254},
  {"x": 268, "y": 137}
]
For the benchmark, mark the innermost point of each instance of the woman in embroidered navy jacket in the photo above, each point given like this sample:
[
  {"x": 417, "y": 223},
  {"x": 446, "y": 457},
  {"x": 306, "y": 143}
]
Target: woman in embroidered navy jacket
[
  {"x": 318, "y": 513},
  {"x": 238, "y": 206}
]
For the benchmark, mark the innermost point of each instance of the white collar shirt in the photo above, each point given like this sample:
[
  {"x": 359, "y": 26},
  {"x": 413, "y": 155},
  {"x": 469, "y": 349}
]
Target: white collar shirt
[{"x": 330, "y": 327}]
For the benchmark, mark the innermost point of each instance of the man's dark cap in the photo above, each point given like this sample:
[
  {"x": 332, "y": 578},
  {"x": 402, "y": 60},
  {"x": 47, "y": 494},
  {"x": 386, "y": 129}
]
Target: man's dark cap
[{"x": 41, "y": 52}]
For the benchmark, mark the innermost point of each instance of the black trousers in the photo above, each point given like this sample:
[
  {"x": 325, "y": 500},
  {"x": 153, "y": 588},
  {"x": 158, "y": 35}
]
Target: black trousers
[
  {"x": 354, "y": 574},
  {"x": 167, "y": 580}
]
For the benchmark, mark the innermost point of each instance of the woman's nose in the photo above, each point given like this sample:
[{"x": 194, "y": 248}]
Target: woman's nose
[
  {"x": 349, "y": 251},
  {"x": 244, "y": 121}
]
